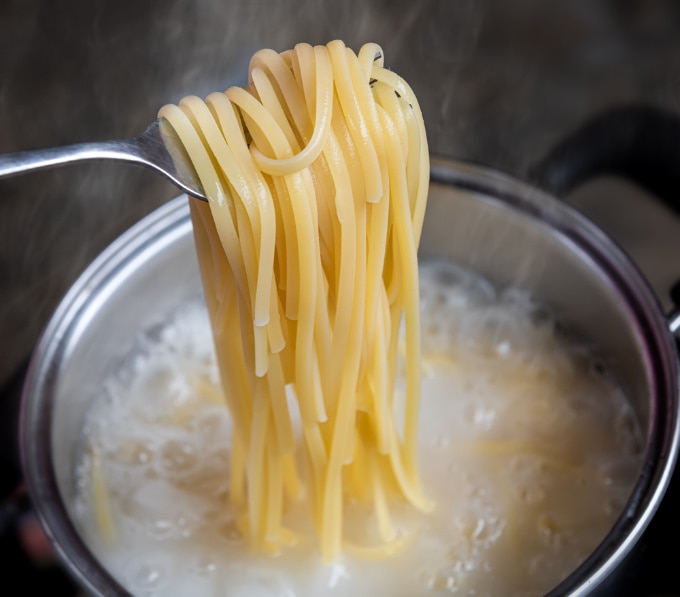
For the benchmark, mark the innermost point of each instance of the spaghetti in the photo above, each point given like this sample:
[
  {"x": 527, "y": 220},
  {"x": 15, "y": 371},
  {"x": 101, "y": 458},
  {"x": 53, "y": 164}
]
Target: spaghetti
[{"x": 317, "y": 177}]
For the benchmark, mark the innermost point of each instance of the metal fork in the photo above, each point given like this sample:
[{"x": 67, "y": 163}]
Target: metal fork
[{"x": 157, "y": 148}]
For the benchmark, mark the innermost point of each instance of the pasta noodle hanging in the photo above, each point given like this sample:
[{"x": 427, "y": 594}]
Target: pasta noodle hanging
[{"x": 317, "y": 176}]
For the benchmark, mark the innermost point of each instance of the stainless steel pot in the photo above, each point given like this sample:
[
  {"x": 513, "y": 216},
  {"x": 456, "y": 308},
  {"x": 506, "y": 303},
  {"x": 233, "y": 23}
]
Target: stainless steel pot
[{"x": 505, "y": 229}]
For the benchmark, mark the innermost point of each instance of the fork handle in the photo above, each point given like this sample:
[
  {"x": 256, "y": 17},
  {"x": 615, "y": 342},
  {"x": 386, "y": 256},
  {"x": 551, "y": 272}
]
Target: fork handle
[{"x": 12, "y": 164}]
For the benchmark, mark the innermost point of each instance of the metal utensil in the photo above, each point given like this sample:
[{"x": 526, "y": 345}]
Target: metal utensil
[{"x": 157, "y": 148}]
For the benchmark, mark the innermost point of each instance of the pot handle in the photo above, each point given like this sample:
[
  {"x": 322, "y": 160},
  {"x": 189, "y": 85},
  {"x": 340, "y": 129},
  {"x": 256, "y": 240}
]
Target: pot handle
[
  {"x": 674, "y": 317},
  {"x": 639, "y": 142}
]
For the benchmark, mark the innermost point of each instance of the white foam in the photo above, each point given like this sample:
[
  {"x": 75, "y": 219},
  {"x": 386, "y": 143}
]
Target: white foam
[{"x": 518, "y": 450}]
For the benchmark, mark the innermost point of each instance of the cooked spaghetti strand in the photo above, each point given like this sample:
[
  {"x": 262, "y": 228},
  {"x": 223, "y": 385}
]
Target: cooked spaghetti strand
[{"x": 317, "y": 176}]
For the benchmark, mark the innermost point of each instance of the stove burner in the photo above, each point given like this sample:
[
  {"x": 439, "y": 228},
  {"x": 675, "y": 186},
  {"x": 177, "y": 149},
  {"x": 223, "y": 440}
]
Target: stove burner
[{"x": 26, "y": 554}]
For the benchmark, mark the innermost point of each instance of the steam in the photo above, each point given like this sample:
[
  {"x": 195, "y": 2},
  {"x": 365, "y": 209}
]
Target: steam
[{"x": 498, "y": 82}]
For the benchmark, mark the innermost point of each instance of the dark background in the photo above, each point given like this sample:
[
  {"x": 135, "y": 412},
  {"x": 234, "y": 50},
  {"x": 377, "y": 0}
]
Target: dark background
[{"x": 500, "y": 82}]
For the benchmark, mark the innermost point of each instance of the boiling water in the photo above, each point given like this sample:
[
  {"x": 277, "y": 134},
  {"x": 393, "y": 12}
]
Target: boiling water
[{"x": 528, "y": 449}]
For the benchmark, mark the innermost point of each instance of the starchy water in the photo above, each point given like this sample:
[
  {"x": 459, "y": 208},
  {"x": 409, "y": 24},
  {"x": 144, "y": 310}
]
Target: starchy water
[{"x": 527, "y": 446}]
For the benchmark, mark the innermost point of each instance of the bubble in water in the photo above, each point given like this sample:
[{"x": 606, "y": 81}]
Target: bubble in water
[
  {"x": 164, "y": 510},
  {"x": 230, "y": 531},
  {"x": 532, "y": 494},
  {"x": 434, "y": 580},
  {"x": 486, "y": 531},
  {"x": 550, "y": 531},
  {"x": 145, "y": 577},
  {"x": 613, "y": 505},
  {"x": 206, "y": 566},
  {"x": 484, "y": 417},
  {"x": 212, "y": 426},
  {"x": 177, "y": 457},
  {"x": 134, "y": 452},
  {"x": 503, "y": 348},
  {"x": 443, "y": 581}
]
